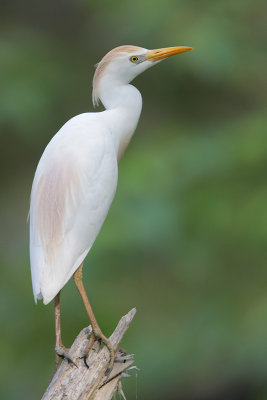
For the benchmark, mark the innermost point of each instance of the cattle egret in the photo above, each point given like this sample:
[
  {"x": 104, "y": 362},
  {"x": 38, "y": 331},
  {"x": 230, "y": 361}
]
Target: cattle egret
[{"x": 76, "y": 178}]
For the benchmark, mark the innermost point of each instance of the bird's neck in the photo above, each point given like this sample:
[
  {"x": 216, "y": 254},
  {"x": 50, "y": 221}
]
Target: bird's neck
[{"x": 123, "y": 105}]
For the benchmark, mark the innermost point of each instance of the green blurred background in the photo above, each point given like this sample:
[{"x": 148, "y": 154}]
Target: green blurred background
[{"x": 185, "y": 238}]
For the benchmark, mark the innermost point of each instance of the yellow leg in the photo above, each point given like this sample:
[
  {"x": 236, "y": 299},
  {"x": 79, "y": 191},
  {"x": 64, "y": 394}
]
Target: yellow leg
[
  {"x": 58, "y": 329},
  {"x": 61, "y": 351},
  {"x": 97, "y": 333}
]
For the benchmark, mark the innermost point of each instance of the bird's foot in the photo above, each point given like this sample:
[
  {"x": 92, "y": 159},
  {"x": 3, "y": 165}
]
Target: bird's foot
[
  {"x": 122, "y": 351},
  {"x": 98, "y": 335},
  {"x": 62, "y": 353}
]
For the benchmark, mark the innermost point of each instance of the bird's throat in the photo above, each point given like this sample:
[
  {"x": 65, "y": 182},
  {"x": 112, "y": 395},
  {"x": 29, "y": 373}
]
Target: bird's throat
[{"x": 123, "y": 109}]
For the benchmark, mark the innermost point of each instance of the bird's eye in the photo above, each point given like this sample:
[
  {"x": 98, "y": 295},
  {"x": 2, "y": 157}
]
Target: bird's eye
[{"x": 134, "y": 59}]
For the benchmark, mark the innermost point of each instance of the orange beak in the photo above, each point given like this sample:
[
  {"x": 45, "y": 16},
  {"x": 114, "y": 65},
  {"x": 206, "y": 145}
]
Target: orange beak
[{"x": 159, "y": 54}]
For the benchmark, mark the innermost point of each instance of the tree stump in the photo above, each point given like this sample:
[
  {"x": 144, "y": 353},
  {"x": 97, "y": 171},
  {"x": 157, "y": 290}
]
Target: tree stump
[{"x": 77, "y": 382}]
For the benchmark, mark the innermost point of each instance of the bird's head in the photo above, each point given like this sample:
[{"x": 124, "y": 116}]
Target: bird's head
[{"x": 122, "y": 64}]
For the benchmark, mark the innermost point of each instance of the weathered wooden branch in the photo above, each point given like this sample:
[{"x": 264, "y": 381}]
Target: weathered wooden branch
[{"x": 72, "y": 382}]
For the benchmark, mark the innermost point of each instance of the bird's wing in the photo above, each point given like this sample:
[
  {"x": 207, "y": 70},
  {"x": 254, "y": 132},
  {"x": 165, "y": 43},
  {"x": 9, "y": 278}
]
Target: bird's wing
[{"x": 73, "y": 188}]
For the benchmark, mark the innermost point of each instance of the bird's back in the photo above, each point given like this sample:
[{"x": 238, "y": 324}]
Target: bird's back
[{"x": 73, "y": 188}]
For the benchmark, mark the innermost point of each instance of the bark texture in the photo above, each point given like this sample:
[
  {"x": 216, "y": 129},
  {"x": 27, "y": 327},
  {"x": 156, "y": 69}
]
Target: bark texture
[{"x": 72, "y": 382}]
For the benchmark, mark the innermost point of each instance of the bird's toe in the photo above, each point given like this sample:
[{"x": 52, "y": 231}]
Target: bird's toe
[{"x": 63, "y": 353}]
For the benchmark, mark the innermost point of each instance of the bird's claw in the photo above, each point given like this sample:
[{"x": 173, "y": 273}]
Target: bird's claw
[
  {"x": 85, "y": 362},
  {"x": 63, "y": 353},
  {"x": 100, "y": 338}
]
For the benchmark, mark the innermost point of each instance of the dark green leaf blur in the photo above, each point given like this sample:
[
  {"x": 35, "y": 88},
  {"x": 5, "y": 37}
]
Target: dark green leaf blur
[{"x": 185, "y": 238}]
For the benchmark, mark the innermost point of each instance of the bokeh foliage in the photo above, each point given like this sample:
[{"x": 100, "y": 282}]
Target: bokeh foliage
[{"x": 185, "y": 239}]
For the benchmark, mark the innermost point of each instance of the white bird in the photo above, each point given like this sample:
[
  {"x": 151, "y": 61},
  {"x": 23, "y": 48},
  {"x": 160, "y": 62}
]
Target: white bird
[{"x": 76, "y": 180}]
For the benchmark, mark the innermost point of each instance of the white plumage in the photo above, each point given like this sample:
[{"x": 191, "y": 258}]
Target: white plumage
[
  {"x": 71, "y": 195},
  {"x": 76, "y": 177}
]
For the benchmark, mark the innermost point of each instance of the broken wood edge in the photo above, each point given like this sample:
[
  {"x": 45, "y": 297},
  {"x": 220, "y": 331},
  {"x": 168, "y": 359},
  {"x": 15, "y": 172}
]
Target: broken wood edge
[{"x": 80, "y": 383}]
